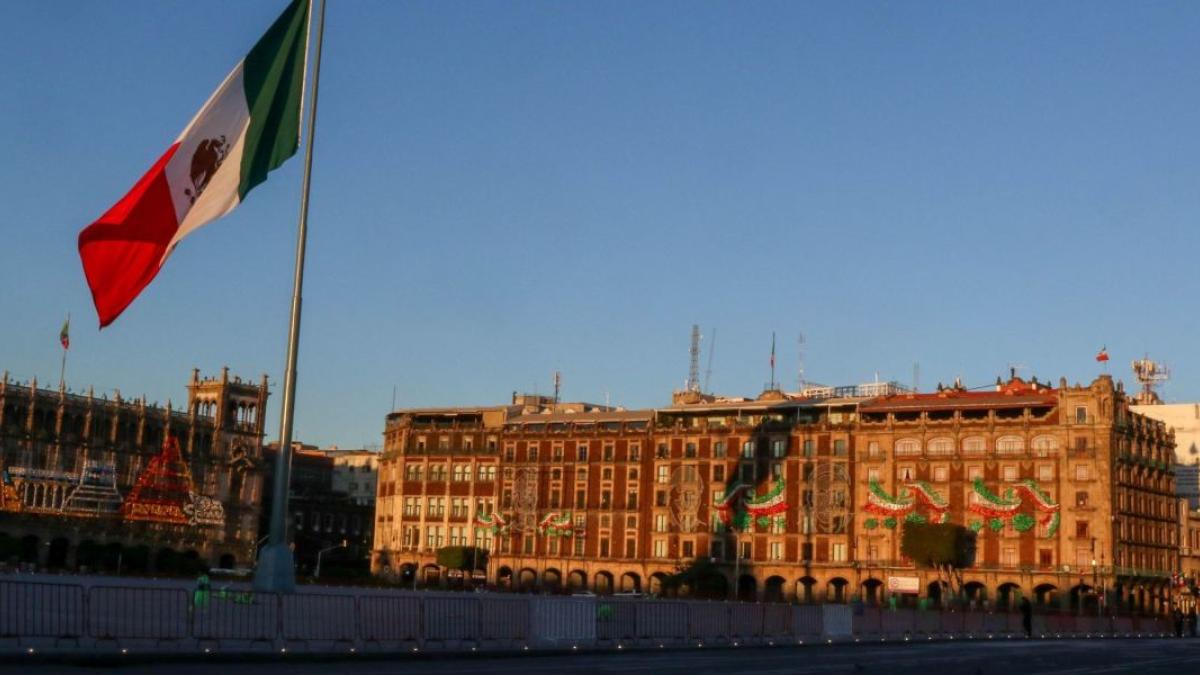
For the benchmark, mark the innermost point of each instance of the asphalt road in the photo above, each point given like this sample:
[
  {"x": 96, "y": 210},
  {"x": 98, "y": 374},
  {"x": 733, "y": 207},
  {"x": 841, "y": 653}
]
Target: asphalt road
[{"x": 1008, "y": 657}]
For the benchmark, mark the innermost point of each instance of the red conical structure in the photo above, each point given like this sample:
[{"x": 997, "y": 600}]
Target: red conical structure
[{"x": 163, "y": 489}]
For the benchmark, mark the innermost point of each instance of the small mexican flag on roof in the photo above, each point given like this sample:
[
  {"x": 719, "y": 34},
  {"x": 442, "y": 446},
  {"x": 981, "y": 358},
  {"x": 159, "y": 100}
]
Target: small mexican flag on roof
[{"x": 249, "y": 126}]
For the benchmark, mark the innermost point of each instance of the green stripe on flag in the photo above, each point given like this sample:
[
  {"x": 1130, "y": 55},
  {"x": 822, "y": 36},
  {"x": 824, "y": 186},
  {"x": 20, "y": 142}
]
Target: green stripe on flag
[{"x": 274, "y": 80}]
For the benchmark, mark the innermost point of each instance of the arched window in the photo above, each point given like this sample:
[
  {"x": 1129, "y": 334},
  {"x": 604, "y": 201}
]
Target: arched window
[
  {"x": 908, "y": 446},
  {"x": 974, "y": 445},
  {"x": 1010, "y": 444},
  {"x": 1045, "y": 443},
  {"x": 941, "y": 446}
]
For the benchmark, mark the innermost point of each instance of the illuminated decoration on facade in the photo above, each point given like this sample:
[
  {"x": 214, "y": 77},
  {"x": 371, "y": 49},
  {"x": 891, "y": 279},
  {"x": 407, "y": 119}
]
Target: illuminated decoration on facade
[
  {"x": 491, "y": 522},
  {"x": 556, "y": 524},
  {"x": 741, "y": 509},
  {"x": 904, "y": 504},
  {"x": 164, "y": 494},
  {"x": 97, "y": 492},
  {"x": 686, "y": 491},
  {"x": 999, "y": 510}
]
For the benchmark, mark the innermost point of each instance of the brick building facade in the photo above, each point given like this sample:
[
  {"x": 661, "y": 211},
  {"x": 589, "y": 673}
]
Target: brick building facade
[{"x": 793, "y": 497}]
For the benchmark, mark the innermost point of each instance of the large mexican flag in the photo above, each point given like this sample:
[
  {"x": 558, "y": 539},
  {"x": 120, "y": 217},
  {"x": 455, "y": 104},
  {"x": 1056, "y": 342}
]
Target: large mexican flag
[{"x": 249, "y": 126}]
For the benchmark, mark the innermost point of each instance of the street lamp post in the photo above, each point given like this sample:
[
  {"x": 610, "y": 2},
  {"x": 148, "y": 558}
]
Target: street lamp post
[{"x": 317, "y": 571}]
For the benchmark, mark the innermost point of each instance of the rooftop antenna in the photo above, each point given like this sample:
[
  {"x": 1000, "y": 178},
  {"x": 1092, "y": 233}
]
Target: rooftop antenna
[
  {"x": 774, "y": 385},
  {"x": 557, "y": 385},
  {"x": 693, "y": 381},
  {"x": 1150, "y": 374},
  {"x": 1015, "y": 368},
  {"x": 712, "y": 347},
  {"x": 800, "y": 355},
  {"x": 393, "y": 398}
]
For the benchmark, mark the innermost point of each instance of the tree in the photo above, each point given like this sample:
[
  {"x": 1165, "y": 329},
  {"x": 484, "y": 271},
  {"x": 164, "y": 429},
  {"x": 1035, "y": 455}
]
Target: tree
[
  {"x": 945, "y": 547},
  {"x": 702, "y": 576},
  {"x": 462, "y": 558}
]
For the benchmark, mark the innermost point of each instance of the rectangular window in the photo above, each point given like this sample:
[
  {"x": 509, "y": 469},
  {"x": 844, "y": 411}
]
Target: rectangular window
[
  {"x": 748, "y": 449},
  {"x": 661, "y": 452},
  {"x": 808, "y": 448},
  {"x": 689, "y": 450},
  {"x": 1081, "y": 529},
  {"x": 581, "y": 499},
  {"x": 719, "y": 473},
  {"x": 941, "y": 474},
  {"x": 660, "y": 548},
  {"x": 581, "y": 452},
  {"x": 839, "y": 447},
  {"x": 660, "y": 522},
  {"x": 606, "y": 499},
  {"x": 578, "y": 545},
  {"x": 779, "y": 448},
  {"x": 660, "y": 498},
  {"x": 631, "y": 498},
  {"x": 527, "y": 544},
  {"x": 608, "y": 452},
  {"x": 1010, "y": 473},
  {"x": 839, "y": 552},
  {"x": 718, "y": 449},
  {"x": 1046, "y": 472},
  {"x": 775, "y": 550},
  {"x": 604, "y": 547},
  {"x": 806, "y": 551},
  {"x": 630, "y": 547},
  {"x": 873, "y": 475},
  {"x": 873, "y": 449},
  {"x": 635, "y": 452},
  {"x": 662, "y": 473},
  {"x": 1081, "y": 415},
  {"x": 1008, "y": 557},
  {"x": 1081, "y": 472},
  {"x": 689, "y": 550},
  {"x": 1046, "y": 557},
  {"x": 747, "y": 553}
]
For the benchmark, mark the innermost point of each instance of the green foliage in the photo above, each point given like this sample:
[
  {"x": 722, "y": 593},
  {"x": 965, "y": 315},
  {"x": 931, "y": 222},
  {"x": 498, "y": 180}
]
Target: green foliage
[
  {"x": 763, "y": 522},
  {"x": 938, "y": 545},
  {"x": 975, "y": 525},
  {"x": 702, "y": 576},
  {"x": 915, "y": 517},
  {"x": 741, "y": 521},
  {"x": 889, "y": 523},
  {"x": 462, "y": 557},
  {"x": 871, "y": 523},
  {"x": 995, "y": 524},
  {"x": 1023, "y": 522}
]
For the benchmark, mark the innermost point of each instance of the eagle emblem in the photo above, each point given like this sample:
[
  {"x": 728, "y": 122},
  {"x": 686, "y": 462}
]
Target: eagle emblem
[{"x": 209, "y": 155}]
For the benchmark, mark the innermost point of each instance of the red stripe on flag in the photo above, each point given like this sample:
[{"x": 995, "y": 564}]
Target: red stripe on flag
[{"x": 122, "y": 251}]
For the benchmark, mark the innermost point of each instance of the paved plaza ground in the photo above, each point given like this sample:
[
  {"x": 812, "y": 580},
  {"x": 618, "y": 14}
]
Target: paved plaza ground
[{"x": 1006, "y": 657}]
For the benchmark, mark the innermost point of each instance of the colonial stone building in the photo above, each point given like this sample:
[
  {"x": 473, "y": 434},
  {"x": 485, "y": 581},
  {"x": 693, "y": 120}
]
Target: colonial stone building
[
  {"x": 89, "y": 480},
  {"x": 793, "y": 496}
]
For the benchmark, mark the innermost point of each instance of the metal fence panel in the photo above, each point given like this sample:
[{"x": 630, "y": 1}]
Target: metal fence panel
[
  {"x": 898, "y": 622},
  {"x": 708, "y": 620},
  {"x": 138, "y": 612},
  {"x": 777, "y": 620},
  {"x": 449, "y": 618},
  {"x": 319, "y": 616},
  {"x": 661, "y": 620},
  {"x": 953, "y": 622},
  {"x": 383, "y": 618},
  {"x": 616, "y": 619},
  {"x": 745, "y": 620},
  {"x": 808, "y": 622},
  {"x": 837, "y": 621},
  {"x": 504, "y": 618},
  {"x": 564, "y": 620},
  {"x": 236, "y": 616},
  {"x": 40, "y": 610}
]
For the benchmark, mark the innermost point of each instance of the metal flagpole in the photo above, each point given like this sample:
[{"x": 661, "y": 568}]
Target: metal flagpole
[
  {"x": 276, "y": 570},
  {"x": 62, "y": 371}
]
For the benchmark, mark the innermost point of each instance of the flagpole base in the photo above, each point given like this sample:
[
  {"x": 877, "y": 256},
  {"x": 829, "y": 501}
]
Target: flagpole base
[{"x": 276, "y": 570}]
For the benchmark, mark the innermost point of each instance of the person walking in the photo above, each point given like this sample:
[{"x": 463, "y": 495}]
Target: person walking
[{"x": 1027, "y": 617}]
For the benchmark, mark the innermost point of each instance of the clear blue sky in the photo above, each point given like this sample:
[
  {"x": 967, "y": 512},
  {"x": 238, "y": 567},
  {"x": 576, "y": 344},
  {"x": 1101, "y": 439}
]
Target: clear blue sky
[{"x": 506, "y": 189}]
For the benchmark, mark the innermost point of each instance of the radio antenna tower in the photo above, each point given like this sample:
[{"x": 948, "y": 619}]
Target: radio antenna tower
[
  {"x": 712, "y": 347},
  {"x": 1150, "y": 374},
  {"x": 557, "y": 385},
  {"x": 693, "y": 381}
]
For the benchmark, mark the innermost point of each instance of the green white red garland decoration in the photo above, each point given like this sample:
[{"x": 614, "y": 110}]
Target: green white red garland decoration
[
  {"x": 1007, "y": 508},
  {"x": 764, "y": 511},
  {"x": 911, "y": 495},
  {"x": 492, "y": 522},
  {"x": 556, "y": 524}
]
